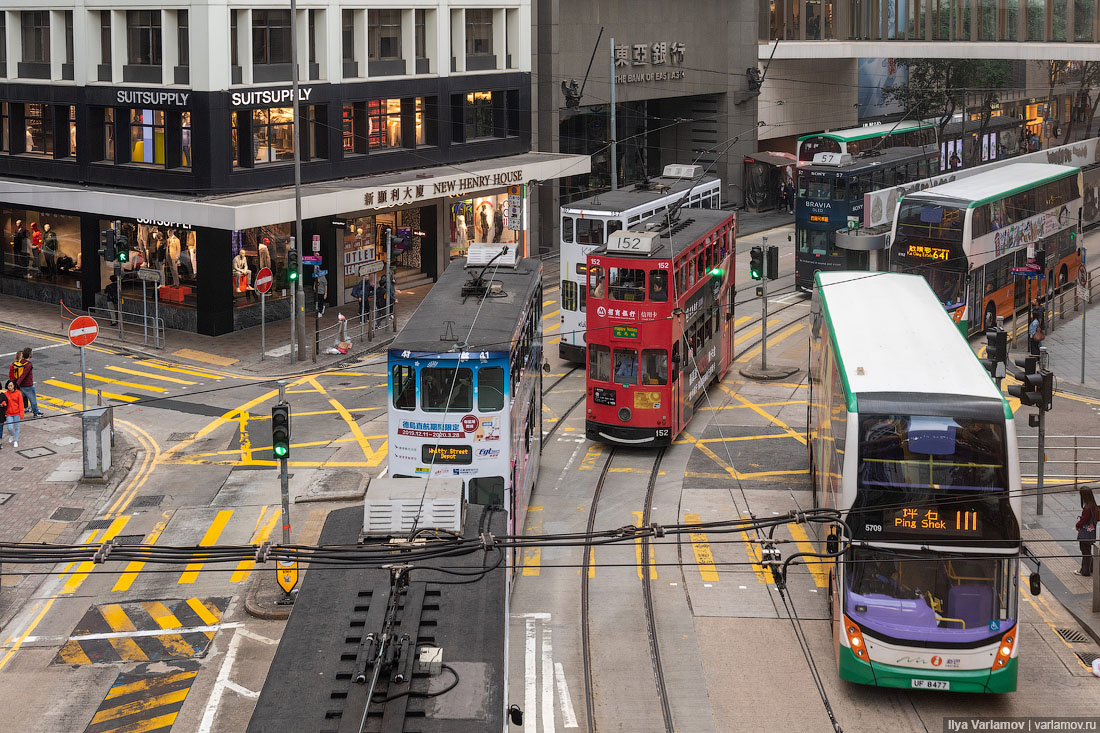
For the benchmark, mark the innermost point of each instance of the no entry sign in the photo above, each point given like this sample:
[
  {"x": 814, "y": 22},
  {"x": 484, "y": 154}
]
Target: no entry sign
[
  {"x": 263, "y": 280},
  {"x": 83, "y": 330}
]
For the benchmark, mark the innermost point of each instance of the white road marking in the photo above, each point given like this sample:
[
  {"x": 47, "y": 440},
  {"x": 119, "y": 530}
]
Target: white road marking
[
  {"x": 529, "y": 681},
  {"x": 151, "y": 632},
  {"x": 547, "y": 679},
  {"x": 223, "y": 682},
  {"x": 38, "y": 348},
  {"x": 568, "y": 716}
]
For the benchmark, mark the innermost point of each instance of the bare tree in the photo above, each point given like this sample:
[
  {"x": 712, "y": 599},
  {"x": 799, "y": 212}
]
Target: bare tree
[{"x": 1090, "y": 80}]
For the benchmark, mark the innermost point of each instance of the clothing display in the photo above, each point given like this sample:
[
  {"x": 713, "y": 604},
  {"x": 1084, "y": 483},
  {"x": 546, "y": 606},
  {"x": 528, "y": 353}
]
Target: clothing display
[
  {"x": 241, "y": 273},
  {"x": 49, "y": 249},
  {"x": 264, "y": 256},
  {"x": 173, "y": 253}
]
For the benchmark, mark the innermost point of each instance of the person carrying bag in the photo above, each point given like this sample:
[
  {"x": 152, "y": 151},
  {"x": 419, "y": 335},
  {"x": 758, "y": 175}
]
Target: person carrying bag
[{"x": 1086, "y": 531}]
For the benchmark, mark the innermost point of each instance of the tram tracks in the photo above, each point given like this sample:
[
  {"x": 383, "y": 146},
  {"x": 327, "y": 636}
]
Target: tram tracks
[
  {"x": 549, "y": 433},
  {"x": 621, "y": 607}
]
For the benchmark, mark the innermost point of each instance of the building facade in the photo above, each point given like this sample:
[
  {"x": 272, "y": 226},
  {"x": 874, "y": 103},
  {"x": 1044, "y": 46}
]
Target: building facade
[{"x": 174, "y": 124}]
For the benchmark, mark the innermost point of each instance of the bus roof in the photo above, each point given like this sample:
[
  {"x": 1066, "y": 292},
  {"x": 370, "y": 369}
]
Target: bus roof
[
  {"x": 638, "y": 194},
  {"x": 893, "y": 335},
  {"x": 693, "y": 225},
  {"x": 881, "y": 158},
  {"x": 862, "y": 133},
  {"x": 998, "y": 183}
]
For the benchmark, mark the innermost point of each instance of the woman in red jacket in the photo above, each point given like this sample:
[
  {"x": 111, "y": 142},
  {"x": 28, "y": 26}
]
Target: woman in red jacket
[
  {"x": 1086, "y": 531},
  {"x": 14, "y": 412}
]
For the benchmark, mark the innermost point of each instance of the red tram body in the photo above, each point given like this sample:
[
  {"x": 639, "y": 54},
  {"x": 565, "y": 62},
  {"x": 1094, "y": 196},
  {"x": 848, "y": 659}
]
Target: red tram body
[{"x": 659, "y": 325}]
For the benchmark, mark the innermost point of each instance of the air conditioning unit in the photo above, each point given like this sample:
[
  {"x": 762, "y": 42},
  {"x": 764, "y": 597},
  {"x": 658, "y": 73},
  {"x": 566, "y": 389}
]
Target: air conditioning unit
[
  {"x": 392, "y": 507},
  {"x": 482, "y": 253},
  {"x": 682, "y": 171}
]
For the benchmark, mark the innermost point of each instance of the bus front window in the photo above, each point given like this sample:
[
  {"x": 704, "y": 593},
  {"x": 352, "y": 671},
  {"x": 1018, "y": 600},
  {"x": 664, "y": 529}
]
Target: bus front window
[{"x": 947, "y": 285}]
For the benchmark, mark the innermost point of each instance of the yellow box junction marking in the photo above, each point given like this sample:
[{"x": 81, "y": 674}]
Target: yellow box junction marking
[
  {"x": 146, "y": 699},
  {"x": 91, "y": 392},
  {"x": 261, "y": 534},
  {"x": 191, "y": 573},
  {"x": 704, "y": 558},
  {"x": 147, "y": 375},
  {"x": 119, "y": 382},
  {"x": 85, "y": 568},
  {"x": 204, "y": 357}
]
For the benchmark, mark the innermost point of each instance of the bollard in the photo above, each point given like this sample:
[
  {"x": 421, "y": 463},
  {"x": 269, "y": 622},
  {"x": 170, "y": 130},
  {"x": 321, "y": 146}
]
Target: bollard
[{"x": 1095, "y": 578}]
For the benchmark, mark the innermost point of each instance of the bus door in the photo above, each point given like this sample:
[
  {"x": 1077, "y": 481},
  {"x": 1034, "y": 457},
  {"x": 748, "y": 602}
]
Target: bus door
[{"x": 975, "y": 285}]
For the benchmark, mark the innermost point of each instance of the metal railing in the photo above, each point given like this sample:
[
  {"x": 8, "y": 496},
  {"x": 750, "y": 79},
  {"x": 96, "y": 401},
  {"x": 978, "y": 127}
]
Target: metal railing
[
  {"x": 360, "y": 323},
  {"x": 1065, "y": 300},
  {"x": 151, "y": 328},
  {"x": 1073, "y": 458}
]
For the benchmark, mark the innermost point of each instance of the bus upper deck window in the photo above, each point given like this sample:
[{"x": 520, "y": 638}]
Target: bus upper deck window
[
  {"x": 596, "y": 287},
  {"x": 654, "y": 367},
  {"x": 658, "y": 286},
  {"x": 567, "y": 229},
  {"x": 404, "y": 387},
  {"x": 589, "y": 231},
  {"x": 490, "y": 387},
  {"x": 626, "y": 283}
]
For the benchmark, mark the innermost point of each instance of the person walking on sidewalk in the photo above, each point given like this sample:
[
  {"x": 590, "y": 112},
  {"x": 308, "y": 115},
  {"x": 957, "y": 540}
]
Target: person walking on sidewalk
[
  {"x": 22, "y": 372},
  {"x": 13, "y": 414},
  {"x": 320, "y": 287},
  {"x": 111, "y": 293},
  {"x": 3, "y": 414},
  {"x": 1086, "y": 531}
]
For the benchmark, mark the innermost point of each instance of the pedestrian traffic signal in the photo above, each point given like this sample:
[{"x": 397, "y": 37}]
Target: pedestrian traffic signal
[
  {"x": 1031, "y": 383},
  {"x": 280, "y": 430},
  {"x": 756, "y": 263},
  {"x": 107, "y": 245},
  {"x": 293, "y": 264},
  {"x": 1041, "y": 256},
  {"x": 122, "y": 248},
  {"x": 773, "y": 263},
  {"x": 1046, "y": 390}
]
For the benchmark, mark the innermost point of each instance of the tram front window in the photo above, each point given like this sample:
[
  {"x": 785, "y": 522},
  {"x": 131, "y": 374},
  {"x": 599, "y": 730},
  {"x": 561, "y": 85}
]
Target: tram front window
[
  {"x": 930, "y": 597},
  {"x": 487, "y": 490},
  {"x": 596, "y": 287},
  {"x": 813, "y": 241},
  {"x": 626, "y": 283},
  {"x": 445, "y": 389},
  {"x": 658, "y": 286},
  {"x": 589, "y": 231},
  {"x": 404, "y": 387},
  {"x": 655, "y": 367},
  {"x": 599, "y": 363},
  {"x": 626, "y": 366},
  {"x": 490, "y": 389}
]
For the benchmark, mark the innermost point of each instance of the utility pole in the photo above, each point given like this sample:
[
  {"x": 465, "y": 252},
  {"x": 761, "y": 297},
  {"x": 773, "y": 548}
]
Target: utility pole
[
  {"x": 614, "y": 129},
  {"x": 764, "y": 311},
  {"x": 299, "y": 296}
]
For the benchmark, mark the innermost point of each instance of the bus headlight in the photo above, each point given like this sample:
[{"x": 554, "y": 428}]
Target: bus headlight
[
  {"x": 624, "y": 414},
  {"x": 1005, "y": 649},
  {"x": 855, "y": 639}
]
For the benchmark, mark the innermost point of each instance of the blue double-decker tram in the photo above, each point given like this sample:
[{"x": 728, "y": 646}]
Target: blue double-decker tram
[{"x": 465, "y": 381}]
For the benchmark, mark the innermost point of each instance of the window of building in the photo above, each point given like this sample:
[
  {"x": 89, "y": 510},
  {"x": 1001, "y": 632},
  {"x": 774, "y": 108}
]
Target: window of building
[
  {"x": 108, "y": 134},
  {"x": 147, "y": 136},
  {"x": 183, "y": 37},
  {"x": 425, "y": 131},
  {"x": 420, "y": 18},
  {"x": 36, "y": 35},
  {"x": 271, "y": 36},
  {"x": 384, "y": 116},
  {"x": 44, "y": 246},
  {"x": 234, "y": 41},
  {"x": 38, "y": 121},
  {"x": 311, "y": 17},
  {"x": 143, "y": 37},
  {"x": 490, "y": 389},
  {"x": 68, "y": 36},
  {"x": 317, "y": 116},
  {"x": 185, "y": 139},
  {"x": 72, "y": 131},
  {"x": 234, "y": 137},
  {"x": 384, "y": 35},
  {"x": 105, "y": 37},
  {"x": 479, "y": 32},
  {"x": 355, "y": 128},
  {"x": 347, "y": 34},
  {"x": 272, "y": 135},
  {"x": 446, "y": 389},
  {"x": 478, "y": 117}
]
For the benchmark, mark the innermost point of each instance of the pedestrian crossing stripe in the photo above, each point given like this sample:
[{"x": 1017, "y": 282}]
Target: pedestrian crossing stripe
[
  {"x": 143, "y": 631},
  {"x": 91, "y": 392},
  {"x": 146, "y": 375},
  {"x": 146, "y": 699},
  {"x": 119, "y": 382}
]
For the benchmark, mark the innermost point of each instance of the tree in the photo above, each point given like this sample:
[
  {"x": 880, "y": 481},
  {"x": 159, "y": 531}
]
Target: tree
[
  {"x": 1090, "y": 79},
  {"x": 1054, "y": 70}
]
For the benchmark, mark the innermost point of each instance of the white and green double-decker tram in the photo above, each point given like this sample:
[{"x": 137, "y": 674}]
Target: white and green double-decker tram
[{"x": 914, "y": 444}]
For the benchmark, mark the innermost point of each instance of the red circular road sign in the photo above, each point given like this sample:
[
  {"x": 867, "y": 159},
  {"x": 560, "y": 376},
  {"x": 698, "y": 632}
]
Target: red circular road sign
[
  {"x": 263, "y": 280},
  {"x": 83, "y": 330}
]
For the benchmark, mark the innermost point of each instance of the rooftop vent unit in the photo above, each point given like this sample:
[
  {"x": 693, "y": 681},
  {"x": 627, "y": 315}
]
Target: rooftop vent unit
[
  {"x": 393, "y": 506},
  {"x": 682, "y": 171}
]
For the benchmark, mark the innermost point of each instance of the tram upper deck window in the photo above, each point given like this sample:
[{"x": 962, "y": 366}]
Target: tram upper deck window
[
  {"x": 599, "y": 363},
  {"x": 596, "y": 287},
  {"x": 567, "y": 229},
  {"x": 589, "y": 231},
  {"x": 658, "y": 286},
  {"x": 404, "y": 387},
  {"x": 819, "y": 187},
  {"x": 446, "y": 389},
  {"x": 803, "y": 182},
  {"x": 654, "y": 366},
  {"x": 490, "y": 387},
  {"x": 626, "y": 366},
  {"x": 838, "y": 188},
  {"x": 856, "y": 186},
  {"x": 487, "y": 490},
  {"x": 626, "y": 283}
]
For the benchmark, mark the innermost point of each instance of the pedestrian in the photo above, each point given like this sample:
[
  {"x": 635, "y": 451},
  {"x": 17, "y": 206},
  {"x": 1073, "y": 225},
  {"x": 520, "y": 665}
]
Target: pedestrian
[
  {"x": 13, "y": 413},
  {"x": 357, "y": 293},
  {"x": 111, "y": 292},
  {"x": 1086, "y": 531},
  {"x": 320, "y": 288},
  {"x": 1035, "y": 332},
  {"x": 788, "y": 190},
  {"x": 21, "y": 372},
  {"x": 3, "y": 414},
  {"x": 782, "y": 195},
  {"x": 954, "y": 162}
]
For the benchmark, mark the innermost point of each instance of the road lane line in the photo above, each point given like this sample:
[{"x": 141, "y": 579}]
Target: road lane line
[
  {"x": 146, "y": 375},
  {"x": 191, "y": 572},
  {"x": 568, "y": 715},
  {"x": 530, "y": 693},
  {"x": 262, "y": 534},
  {"x": 85, "y": 567},
  {"x": 764, "y": 414},
  {"x": 372, "y": 457},
  {"x": 814, "y": 565},
  {"x": 547, "y": 679},
  {"x": 23, "y": 637},
  {"x": 704, "y": 558},
  {"x": 178, "y": 370},
  {"x": 91, "y": 392},
  {"x": 772, "y": 341}
]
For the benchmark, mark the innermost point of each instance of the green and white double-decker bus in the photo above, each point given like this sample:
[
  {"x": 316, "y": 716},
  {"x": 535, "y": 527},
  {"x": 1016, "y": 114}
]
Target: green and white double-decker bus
[{"x": 913, "y": 443}]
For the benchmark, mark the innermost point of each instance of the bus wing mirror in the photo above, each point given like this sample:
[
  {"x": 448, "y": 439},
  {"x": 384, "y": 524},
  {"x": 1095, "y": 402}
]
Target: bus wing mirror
[
  {"x": 832, "y": 544},
  {"x": 546, "y": 367},
  {"x": 1034, "y": 583}
]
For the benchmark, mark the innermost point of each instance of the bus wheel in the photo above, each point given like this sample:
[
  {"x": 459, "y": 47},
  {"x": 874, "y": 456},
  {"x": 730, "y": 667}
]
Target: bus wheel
[{"x": 990, "y": 316}]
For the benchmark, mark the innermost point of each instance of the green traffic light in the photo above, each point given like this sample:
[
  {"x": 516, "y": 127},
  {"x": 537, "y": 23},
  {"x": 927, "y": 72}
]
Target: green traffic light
[
  {"x": 716, "y": 271},
  {"x": 293, "y": 275},
  {"x": 280, "y": 451}
]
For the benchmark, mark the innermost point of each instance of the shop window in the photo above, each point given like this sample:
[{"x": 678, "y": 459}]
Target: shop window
[
  {"x": 479, "y": 32},
  {"x": 234, "y": 137},
  {"x": 270, "y": 37},
  {"x": 108, "y": 153},
  {"x": 252, "y": 250},
  {"x": 38, "y": 120},
  {"x": 183, "y": 37},
  {"x": 654, "y": 367},
  {"x": 487, "y": 491},
  {"x": 43, "y": 246},
  {"x": 35, "y": 25},
  {"x": 384, "y": 117},
  {"x": 355, "y": 128},
  {"x": 599, "y": 363},
  {"x": 185, "y": 140},
  {"x": 317, "y": 121},
  {"x": 71, "y": 152},
  {"x": 446, "y": 389},
  {"x": 478, "y": 115},
  {"x": 626, "y": 366},
  {"x": 420, "y": 34},
  {"x": 568, "y": 295},
  {"x": 384, "y": 35},
  {"x": 658, "y": 286},
  {"x": 359, "y": 248},
  {"x": 272, "y": 135},
  {"x": 147, "y": 136},
  {"x": 143, "y": 37},
  {"x": 490, "y": 389},
  {"x": 425, "y": 131}
]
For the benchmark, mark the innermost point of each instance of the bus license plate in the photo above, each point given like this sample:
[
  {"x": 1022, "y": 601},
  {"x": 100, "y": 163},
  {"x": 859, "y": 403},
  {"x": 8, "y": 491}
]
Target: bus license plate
[{"x": 930, "y": 684}]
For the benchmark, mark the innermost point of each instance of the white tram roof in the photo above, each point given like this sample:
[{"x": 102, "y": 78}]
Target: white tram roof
[
  {"x": 637, "y": 195},
  {"x": 994, "y": 184},
  {"x": 893, "y": 336}
]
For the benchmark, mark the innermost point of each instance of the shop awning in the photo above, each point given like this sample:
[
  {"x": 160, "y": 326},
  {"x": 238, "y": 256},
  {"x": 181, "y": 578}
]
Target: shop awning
[{"x": 328, "y": 198}]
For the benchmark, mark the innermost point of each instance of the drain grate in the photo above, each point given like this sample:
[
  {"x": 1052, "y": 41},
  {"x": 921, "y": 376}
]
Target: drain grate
[
  {"x": 1088, "y": 657},
  {"x": 1072, "y": 635},
  {"x": 67, "y": 514},
  {"x": 129, "y": 539},
  {"x": 37, "y": 452},
  {"x": 181, "y": 436},
  {"x": 147, "y": 500},
  {"x": 98, "y": 524},
  {"x": 5, "y": 496}
]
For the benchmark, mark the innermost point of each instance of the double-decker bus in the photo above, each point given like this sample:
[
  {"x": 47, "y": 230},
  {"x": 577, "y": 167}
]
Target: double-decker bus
[
  {"x": 965, "y": 237},
  {"x": 829, "y": 195},
  {"x": 660, "y": 325},
  {"x": 587, "y": 224},
  {"x": 465, "y": 381},
  {"x": 857, "y": 140},
  {"x": 916, "y": 447}
]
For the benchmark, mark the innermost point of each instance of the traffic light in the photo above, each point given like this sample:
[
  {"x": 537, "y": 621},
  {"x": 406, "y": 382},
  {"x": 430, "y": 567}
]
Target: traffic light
[
  {"x": 716, "y": 273},
  {"x": 756, "y": 263},
  {"x": 1046, "y": 390},
  {"x": 293, "y": 265},
  {"x": 1031, "y": 383},
  {"x": 107, "y": 244},
  {"x": 1041, "y": 256},
  {"x": 996, "y": 352},
  {"x": 122, "y": 248},
  {"x": 280, "y": 430},
  {"x": 773, "y": 263}
]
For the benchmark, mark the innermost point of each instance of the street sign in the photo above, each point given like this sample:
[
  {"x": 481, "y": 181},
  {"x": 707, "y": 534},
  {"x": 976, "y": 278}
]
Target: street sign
[
  {"x": 263, "y": 280},
  {"x": 149, "y": 274},
  {"x": 371, "y": 267},
  {"x": 515, "y": 213},
  {"x": 286, "y": 572},
  {"x": 83, "y": 330},
  {"x": 311, "y": 259},
  {"x": 316, "y": 242}
]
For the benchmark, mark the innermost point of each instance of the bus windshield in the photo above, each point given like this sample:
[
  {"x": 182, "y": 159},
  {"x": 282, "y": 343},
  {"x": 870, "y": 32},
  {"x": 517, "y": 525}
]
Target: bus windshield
[
  {"x": 929, "y": 244},
  {"x": 930, "y": 597}
]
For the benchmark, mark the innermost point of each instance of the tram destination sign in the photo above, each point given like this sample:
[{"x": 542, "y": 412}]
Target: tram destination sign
[
  {"x": 450, "y": 454},
  {"x": 631, "y": 242},
  {"x": 625, "y": 332}
]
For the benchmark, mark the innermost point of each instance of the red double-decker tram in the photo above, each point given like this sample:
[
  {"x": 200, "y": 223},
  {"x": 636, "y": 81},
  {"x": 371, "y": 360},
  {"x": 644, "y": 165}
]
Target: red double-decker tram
[{"x": 659, "y": 325}]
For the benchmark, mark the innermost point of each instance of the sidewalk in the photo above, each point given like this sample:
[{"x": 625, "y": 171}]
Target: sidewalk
[
  {"x": 1064, "y": 347},
  {"x": 236, "y": 353},
  {"x": 749, "y": 222}
]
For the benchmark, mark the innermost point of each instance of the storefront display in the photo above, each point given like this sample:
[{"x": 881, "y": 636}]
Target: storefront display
[
  {"x": 41, "y": 246},
  {"x": 359, "y": 247},
  {"x": 253, "y": 250},
  {"x": 481, "y": 219},
  {"x": 170, "y": 248}
]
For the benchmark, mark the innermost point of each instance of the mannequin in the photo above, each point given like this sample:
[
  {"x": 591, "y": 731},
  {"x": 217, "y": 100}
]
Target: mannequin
[
  {"x": 463, "y": 233},
  {"x": 35, "y": 248},
  {"x": 265, "y": 254},
  {"x": 191, "y": 248},
  {"x": 19, "y": 245},
  {"x": 498, "y": 226},
  {"x": 173, "y": 254},
  {"x": 241, "y": 273},
  {"x": 483, "y": 223},
  {"x": 49, "y": 249}
]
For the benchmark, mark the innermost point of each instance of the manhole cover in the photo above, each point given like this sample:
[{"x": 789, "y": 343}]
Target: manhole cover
[
  {"x": 98, "y": 524},
  {"x": 129, "y": 539},
  {"x": 148, "y": 500},
  {"x": 67, "y": 514},
  {"x": 39, "y": 452},
  {"x": 4, "y": 498},
  {"x": 17, "y": 468},
  {"x": 181, "y": 436},
  {"x": 1072, "y": 635},
  {"x": 1088, "y": 657}
]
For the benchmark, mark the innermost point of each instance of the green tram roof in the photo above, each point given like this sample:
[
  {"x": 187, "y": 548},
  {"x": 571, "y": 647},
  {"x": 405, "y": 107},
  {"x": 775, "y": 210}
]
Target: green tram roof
[
  {"x": 862, "y": 133},
  {"x": 883, "y": 158}
]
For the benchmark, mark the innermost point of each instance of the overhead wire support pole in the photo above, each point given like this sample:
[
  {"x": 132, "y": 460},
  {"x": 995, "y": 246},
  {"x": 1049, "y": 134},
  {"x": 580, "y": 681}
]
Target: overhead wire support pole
[
  {"x": 298, "y": 295},
  {"x": 764, "y": 310},
  {"x": 614, "y": 129}
]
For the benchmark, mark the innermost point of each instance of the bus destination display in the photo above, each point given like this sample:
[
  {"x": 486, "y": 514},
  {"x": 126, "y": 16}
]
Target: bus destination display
[
  {"x": 452, "y": 454},
  {"x": 924, "y": 522}
]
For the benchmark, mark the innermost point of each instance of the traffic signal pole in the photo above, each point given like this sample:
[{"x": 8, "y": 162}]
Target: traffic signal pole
[
  {"x": 764, "y": 311},
  {"x": 1044, "y": 360},
  {"x": 284, "y": 478}
]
